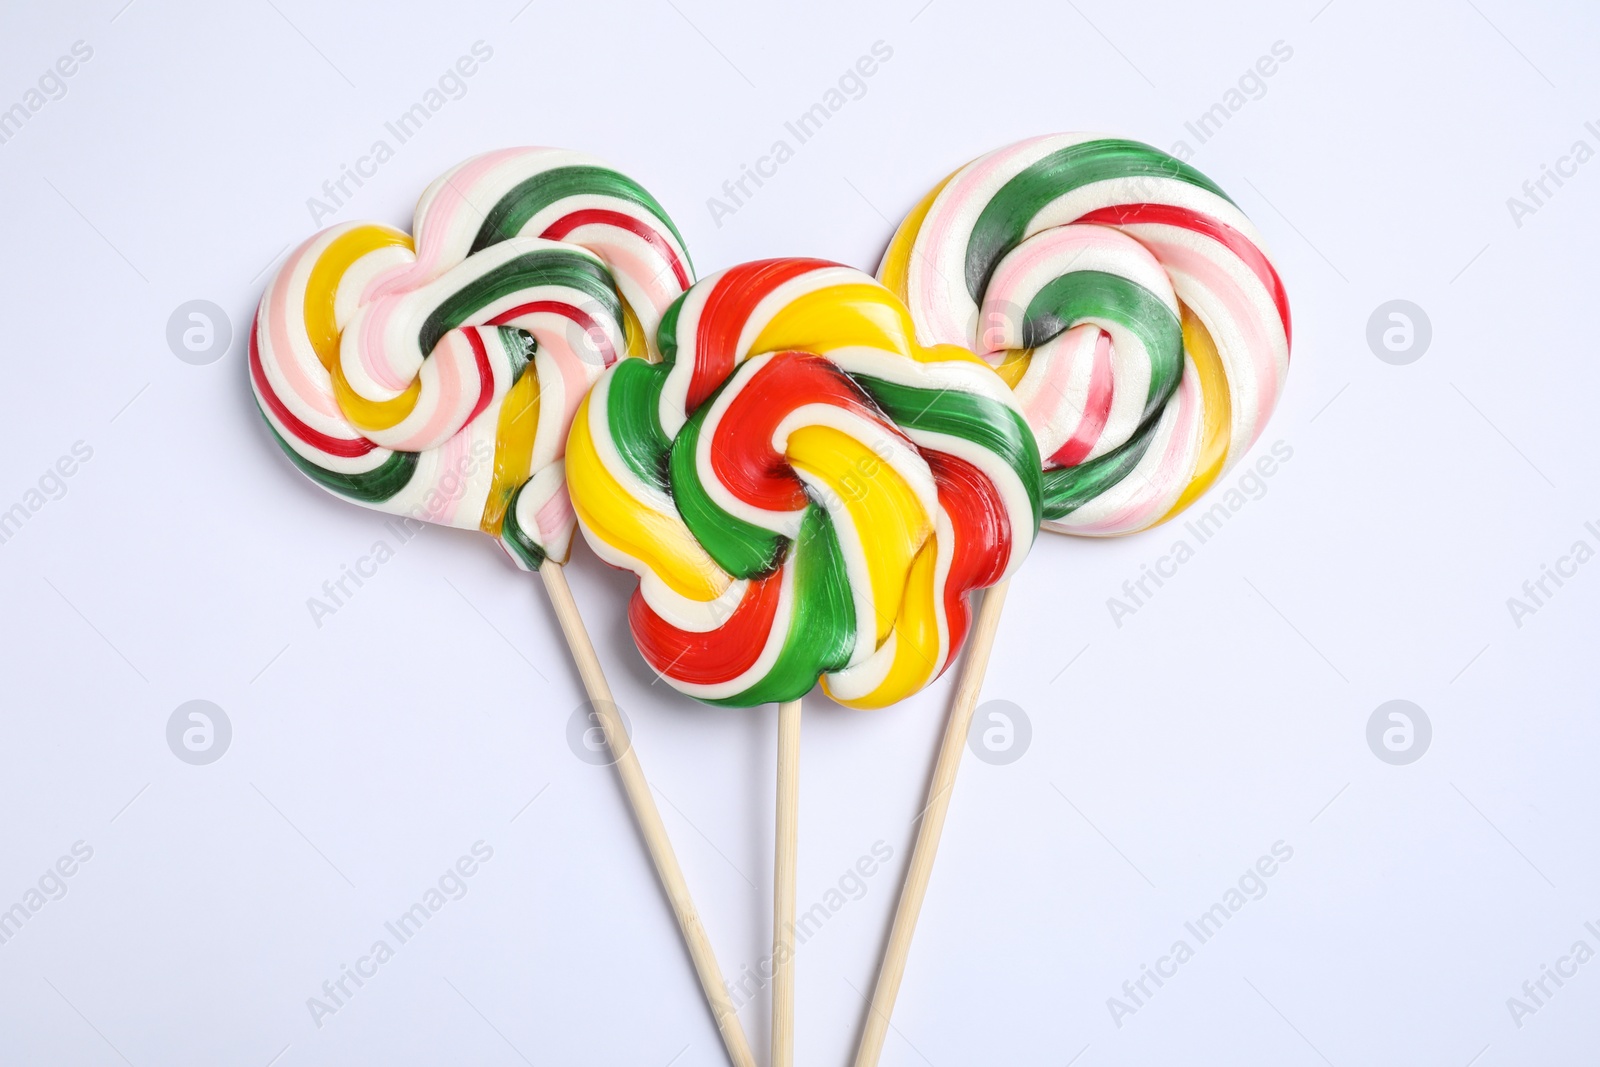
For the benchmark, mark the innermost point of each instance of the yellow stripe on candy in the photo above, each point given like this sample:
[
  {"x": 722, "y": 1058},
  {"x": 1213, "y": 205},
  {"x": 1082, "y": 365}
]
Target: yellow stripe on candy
[
  {"x": 945, "y": 353},
  {"x": 845, "y": 316},
  {"x": 663, "y": 545},
  {"x": 1014, "y": 366},
  {"x": 1215, "y": 402},
  {"x": 366, "y": 414},
  {"x": 836, "y": 317},
  {"x": 897, "y": 260},
  {"x": 635, "y": 343},
  {"x": 322, "y": 289},
  {"x": 916, "y": 646},
  {"x": 887, "y": 515},
  {"x": 323, "y": 285},
  {"x": 896, "y": 536},
  {"x": 895, "y": 272},
  {"x": 513, "y": 449}
]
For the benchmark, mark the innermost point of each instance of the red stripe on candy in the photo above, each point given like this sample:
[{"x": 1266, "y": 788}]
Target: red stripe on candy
[
  {"x": 1096, "y": 409},
  {"x": 485, "y": 374},
  {"x": 1217, "y": 230},
  {"x": 601, "y": 217},
  {"x": 742, "y": 457},
  {"x": 727, "y": 307},
  {"x": 720, "y": 655},
  {"x": 982, "y": 538},
  {"x": 346, "y": 448},
  {"x": 584, "y": 321}
]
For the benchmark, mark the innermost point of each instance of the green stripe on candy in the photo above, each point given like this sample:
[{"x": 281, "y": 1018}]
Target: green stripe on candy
[
  {"x": 368, "y": 487},
  {"x": 633, "y": 419},
  {"x": 520, "y": 348},
  {"x": 531, "y": 196},
  {"x": 571, "y": 270},
  {"x": 741, "y": 548},
  {"x": 667, "y": 332},
  {"x": 1079, "y": 295},
  {"x": 822, "y": 632},
  {"x": 987, "y": 423},
  {"x": 1066, "y": 489},
  {"x": 1005, "y": 218},
  {"x": 516, "y": 538}
]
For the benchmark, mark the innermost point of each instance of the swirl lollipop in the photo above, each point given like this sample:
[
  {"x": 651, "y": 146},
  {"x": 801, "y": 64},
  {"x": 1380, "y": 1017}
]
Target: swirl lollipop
[
  {"x": 1137, "y": 316},
  {"x": 435, "y": 377},
  {"x": 805, "y": 493}
]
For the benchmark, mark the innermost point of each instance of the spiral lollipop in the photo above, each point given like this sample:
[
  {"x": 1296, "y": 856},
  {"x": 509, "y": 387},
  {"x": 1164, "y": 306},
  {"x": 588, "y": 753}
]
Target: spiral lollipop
[
  {"x": 805, "y": 493},
  {"x": 803, "y": 490},
  {"x": 434, "y": 375},
  {"x": 1144, "y": 330},
  {"x": 1128, "y": 302}
]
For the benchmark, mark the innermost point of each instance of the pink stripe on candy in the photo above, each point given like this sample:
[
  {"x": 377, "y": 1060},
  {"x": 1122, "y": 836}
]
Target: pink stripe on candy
[
  {"x": 432, "y": 238},
  {"x": 1258, "y": 347},
  {"x": 1063, "y": 242},
  {"x": 373, "y": 351},
  {"x": 315, "y": 393},
  {"x": 936, "y": 229},
  {"x": 449, "y": 460},
  {"x": 554, "y": 515},
  {"x": 1129, "y": 215},
  {"x": 1096, "y": 410},
  {"x": 292, "y": 425},
  {"x": 1169, "y": 475}
]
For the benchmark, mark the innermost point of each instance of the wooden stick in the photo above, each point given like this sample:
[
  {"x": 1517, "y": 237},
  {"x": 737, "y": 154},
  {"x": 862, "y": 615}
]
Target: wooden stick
[
  {"x": 915, "y": 888},
  {"x": 785, "y": 855},
  {"x": 647, "y": 815}
]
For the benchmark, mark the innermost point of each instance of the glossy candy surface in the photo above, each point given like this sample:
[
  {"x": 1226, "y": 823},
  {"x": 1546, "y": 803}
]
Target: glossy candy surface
[
  {"x": 803, "y": 489},
  {"x": 435, "y": 377},
  {"x": 1127, "y": 301}
]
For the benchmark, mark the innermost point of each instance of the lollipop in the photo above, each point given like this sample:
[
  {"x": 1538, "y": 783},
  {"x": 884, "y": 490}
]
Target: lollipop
[
  {"x": 435, "y": 377},
  {"x": 805, "y": 493},
  {"x": 1134, "y": 311}
]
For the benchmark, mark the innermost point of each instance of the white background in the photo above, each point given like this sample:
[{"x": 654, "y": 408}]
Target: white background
[{"x": 1227, "y": 714}]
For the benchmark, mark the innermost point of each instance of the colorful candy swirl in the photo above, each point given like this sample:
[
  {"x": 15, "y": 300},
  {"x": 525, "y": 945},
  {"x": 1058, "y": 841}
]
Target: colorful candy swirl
[
  {"x": 1128, "y": 302},
  {"x": 803, "y": 490},
  {"x": 436, "y": 376}
]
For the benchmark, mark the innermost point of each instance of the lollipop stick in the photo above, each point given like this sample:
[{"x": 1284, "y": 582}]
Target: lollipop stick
[
  {"x": 783, "y": 876},
  {"x": 915, "y": 888},
  {"x": 648, "y": 816}
]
